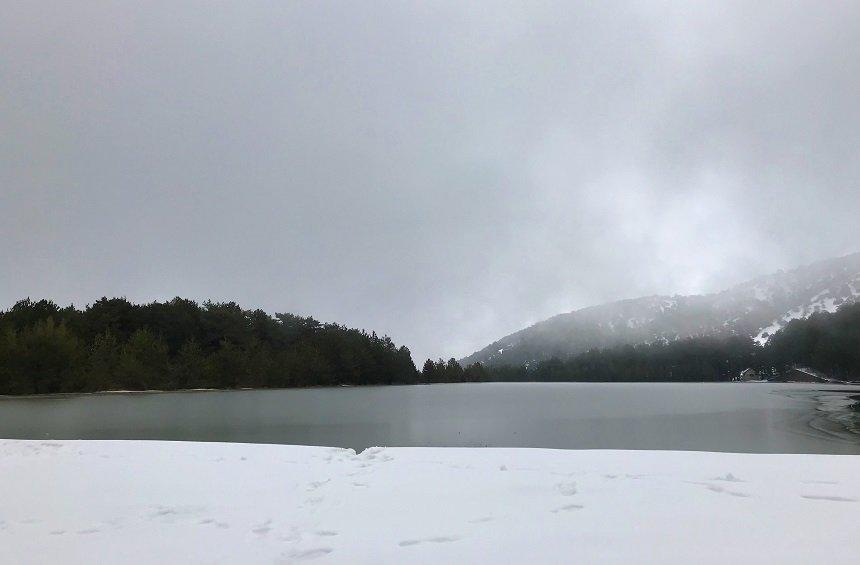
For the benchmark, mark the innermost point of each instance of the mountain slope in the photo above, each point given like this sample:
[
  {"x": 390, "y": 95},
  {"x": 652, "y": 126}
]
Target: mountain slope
[{"x": 757, "y": 308}]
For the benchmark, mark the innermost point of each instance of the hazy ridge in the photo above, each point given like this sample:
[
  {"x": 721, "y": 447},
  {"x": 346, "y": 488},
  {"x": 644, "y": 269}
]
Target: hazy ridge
[{"x": 757, "y": 308}]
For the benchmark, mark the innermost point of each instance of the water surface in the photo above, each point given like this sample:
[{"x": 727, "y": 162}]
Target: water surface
[{"x": 740, "y": 417}]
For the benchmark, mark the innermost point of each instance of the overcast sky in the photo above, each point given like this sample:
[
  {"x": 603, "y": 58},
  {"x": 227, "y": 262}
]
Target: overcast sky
[{"x": 444, "y": 173}]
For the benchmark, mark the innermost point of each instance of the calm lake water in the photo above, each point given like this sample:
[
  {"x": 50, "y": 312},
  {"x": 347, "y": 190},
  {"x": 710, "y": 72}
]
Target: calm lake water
[{"x": 748, "y": 417}]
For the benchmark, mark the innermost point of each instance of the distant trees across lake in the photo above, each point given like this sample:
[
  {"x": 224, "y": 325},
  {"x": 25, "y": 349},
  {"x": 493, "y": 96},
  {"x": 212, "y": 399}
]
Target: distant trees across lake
[
  {"x": 116, "y": 345},
  {"x": 179, "y": 344}
]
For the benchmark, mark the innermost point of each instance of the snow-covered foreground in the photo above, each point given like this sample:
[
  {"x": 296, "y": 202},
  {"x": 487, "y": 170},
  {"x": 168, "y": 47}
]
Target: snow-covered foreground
[{"x": 165, "y": 502}]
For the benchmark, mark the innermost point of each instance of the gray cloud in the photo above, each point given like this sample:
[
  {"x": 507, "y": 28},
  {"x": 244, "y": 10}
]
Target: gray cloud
[{"x": 443, "y": 173}]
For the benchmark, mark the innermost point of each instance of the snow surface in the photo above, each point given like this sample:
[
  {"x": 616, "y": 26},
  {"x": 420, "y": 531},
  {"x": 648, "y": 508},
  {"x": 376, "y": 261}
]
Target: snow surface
[{"x": 176, "y": 502}]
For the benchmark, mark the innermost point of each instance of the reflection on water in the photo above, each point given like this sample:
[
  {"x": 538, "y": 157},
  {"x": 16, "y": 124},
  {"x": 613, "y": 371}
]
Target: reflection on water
[{"x": 765, "y": 418}]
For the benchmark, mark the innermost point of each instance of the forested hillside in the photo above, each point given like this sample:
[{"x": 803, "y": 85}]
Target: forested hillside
[
  {"x": 179, "y": 344},
  {"x": 828, "y": 343}
]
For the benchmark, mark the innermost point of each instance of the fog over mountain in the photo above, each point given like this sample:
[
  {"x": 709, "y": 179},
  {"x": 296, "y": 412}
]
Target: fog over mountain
[
  {"x": 756, "y": 308},
  {"x": 444, "y": 172}
]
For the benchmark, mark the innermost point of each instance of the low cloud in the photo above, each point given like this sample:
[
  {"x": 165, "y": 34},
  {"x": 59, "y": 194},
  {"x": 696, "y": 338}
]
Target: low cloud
[{"x": 442, "y": 173}]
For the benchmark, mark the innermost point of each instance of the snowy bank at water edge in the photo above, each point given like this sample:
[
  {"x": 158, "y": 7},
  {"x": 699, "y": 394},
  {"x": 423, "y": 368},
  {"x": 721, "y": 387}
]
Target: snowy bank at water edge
[{"x": 173, "y": 502}]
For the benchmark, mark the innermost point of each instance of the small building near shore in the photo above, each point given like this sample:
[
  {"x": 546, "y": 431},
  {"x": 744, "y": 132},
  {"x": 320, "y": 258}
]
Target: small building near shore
[{"x": 748, "y": 375}]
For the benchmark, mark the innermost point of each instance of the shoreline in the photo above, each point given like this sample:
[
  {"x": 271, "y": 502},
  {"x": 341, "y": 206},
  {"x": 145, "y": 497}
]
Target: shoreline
[{"x": 365, "y": 386}]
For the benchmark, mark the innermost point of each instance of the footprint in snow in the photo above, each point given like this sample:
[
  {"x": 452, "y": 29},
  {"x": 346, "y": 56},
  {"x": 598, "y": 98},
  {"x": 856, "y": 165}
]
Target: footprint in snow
[
  {"x": 174, "y": 512},
  {"x": 309, "y": 554},
  {"x": 374, "y": 453},
  {"x": 728, "y": 477},
  {"x": 326, "y": 533},
  {"x": 567, "y": 508},
  {"x": 566, "y": 489},
  {"x": 437, "y": 539},
  {"x": 481, "y": 520},
  {"x": 830, "y": 498},
  {"x": 715, "y": 488},
  {"x": 264, "y": 528}
]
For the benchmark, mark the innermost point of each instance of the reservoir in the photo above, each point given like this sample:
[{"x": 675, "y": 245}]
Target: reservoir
[{"x": 735, "y": 417}]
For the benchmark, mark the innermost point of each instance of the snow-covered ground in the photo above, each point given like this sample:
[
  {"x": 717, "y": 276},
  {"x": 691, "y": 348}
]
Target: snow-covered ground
[{"x": 165, "y": 502}]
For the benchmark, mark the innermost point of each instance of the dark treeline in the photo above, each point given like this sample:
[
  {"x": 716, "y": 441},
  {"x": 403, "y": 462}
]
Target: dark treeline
[
  {"x": 828, "y": 343},
  {"x": 452, "y": 372},
  {"x": 707, "y": 359},
  {"x": 114, "y": 344}
]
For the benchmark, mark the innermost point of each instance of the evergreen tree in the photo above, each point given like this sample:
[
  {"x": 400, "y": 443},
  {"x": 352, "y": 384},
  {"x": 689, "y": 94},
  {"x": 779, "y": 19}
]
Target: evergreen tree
[
  {"x": 143, "y": 362},
  {"x": 189, "y": 368}
]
